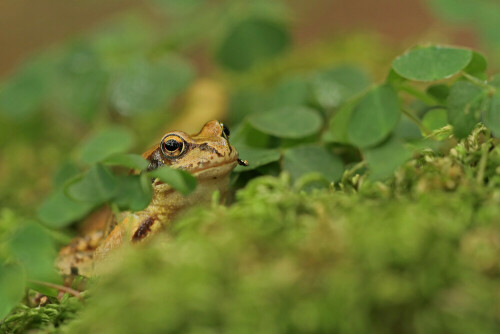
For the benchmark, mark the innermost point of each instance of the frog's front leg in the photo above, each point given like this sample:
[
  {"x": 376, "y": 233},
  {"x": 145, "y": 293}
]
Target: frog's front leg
[{"x": 134, "y": 228}]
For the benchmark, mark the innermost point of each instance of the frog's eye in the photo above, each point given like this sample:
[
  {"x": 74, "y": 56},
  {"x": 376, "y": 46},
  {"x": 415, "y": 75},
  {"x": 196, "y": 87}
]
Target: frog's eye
[
  {"x": 225, "y": 131},
  {"x": 172, "y": 146}
]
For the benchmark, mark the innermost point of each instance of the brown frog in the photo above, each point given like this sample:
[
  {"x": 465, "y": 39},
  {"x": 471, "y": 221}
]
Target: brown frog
[{"x": 207, "y": 155}]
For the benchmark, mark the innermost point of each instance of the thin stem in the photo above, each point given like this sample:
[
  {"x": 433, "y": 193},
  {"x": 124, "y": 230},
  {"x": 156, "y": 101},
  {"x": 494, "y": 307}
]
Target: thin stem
[
  {"x": 58, "y": 287},
  {"x": 478, "y": 82},
  {"x": 418, "y": 94},
  {"x": 415, "y": 120}
]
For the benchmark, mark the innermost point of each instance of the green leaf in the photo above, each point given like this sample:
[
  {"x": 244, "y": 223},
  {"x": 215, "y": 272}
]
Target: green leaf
[
  {"x": 58, "y": 210},
  {"x": 332, "y": 87},
  {"x": 491, "y": 116},
  {"x": 96, "y": 186},
  {"x": 290, "y": 92},
  {"x": 301, "y": 160},
  {"x": 383, "y": 160},
  {"x": 291, "y": 122},
  {"x": 245, "y": 135},
  {"x": 180, "y": 180},
  {"x": 477, "y": 66},
  {"x": 439, "y": 91},
  {"x": 245, "y": 102},
  {"x": 432, "y": 62},
  {"x": 251, "y": 42},
  {"x": 435, "y": 119},
  {"x": 337, "y": 130},
  {"x": 407, "y": 130},
  {"x": 65, "y": 172},
  {"x": 147, "y": 86},
  {"x": 374, "y": 117},
  {"x": 464, "y": 104},
  {"x": 483, "y": 15},
  {"x": 134, "y": 161},
  {"x": 256, "y": 157},
  {"x": 22, "y": 95},
  {"x": 134, "y": 192},
  {"x": 123, "y": 41},
  {"x": 12, "y": 284},
  {"x": 34, "y": 249},
  {"x": 106, "y": 143},
  {"x": 80, "y": 83}
]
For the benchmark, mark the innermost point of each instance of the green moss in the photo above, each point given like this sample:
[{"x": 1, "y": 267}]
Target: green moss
[
  {"x": 284, "y": 261},
  {"x": 45, "y": 318}
]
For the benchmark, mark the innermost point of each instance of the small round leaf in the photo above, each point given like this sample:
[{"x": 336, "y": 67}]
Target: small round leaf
[
  {"x": 250, "y": 42},
  {"x": 477, "y": 66},
  {"x": 334, "y": 86},
  {"x": 464, "y": 106},
  {"x": 374, "y": 117},
  {"x": 134, "y": 192},
  {"x": 96, "y": 186},
  {"x": 431, "y": 63},
  {"x": 12, "y": 284},
  {"x": 302, "y": 160},
  {"x": 256, "y": 157},
  {"x": 435, "y": 119},
  {"x": 134, "y": 161},
  {"x": 491, "y": 116},
  {"x": 33, "y": 247},
  {"x": 292, "y": 122},
  {"x": 106, "y": 143},
  {"x": 383, "y": 160},
  {"x": 58, "y": 210},
  {"x": 147, "y": 86}
]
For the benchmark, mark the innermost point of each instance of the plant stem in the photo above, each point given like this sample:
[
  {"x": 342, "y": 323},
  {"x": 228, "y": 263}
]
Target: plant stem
[
  {"x": 58, "y": 287},
  {"x": 478, "y": 82},
  {"x": 415, "y": 120},
  {"x": 418, "y": 94}
]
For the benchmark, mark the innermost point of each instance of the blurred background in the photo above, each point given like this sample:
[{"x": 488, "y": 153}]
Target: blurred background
[
  {"x": 29, "y": 26},
  {"x": 70, "y": 68}
]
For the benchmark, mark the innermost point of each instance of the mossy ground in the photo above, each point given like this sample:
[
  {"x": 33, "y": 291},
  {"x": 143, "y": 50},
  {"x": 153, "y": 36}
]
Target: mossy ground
[
  {"x": 281, "y": 261},
  {"x": 417, "y": 254}
]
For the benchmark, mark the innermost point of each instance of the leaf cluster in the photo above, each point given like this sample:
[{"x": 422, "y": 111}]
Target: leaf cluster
[{"x": 341, "y": 119}]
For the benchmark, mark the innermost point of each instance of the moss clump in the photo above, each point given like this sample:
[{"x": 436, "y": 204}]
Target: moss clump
[
  {"x": 281, "y": 261},
  {"x": 46, "y": 318}
]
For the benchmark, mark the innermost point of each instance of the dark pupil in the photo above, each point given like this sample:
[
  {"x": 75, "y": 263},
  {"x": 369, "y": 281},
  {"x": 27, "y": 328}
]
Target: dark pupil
[
  {"x": 171, "y": 145},
  {"x": 226, "y": 130}
]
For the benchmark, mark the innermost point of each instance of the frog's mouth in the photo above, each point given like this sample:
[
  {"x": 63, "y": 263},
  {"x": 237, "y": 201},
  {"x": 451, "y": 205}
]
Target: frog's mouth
[{"x": 214, "y": 171}]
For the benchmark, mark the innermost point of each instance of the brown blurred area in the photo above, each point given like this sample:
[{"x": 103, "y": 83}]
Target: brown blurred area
[{"x": 27, "y": 26}]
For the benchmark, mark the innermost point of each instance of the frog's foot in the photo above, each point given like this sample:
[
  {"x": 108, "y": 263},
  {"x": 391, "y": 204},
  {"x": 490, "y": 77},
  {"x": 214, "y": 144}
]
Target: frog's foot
[{"x": 77, "y": 257}]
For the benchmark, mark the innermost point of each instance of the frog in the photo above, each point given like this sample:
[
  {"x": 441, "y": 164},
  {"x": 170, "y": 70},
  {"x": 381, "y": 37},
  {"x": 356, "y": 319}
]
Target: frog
[{"x": 207, "y": 155}]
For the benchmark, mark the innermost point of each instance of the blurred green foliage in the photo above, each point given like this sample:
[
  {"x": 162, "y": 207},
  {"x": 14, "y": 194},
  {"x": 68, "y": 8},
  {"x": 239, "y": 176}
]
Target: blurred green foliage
[
  {"x": 376, "y": 214},
  {"x": 483, "y": 15},
  {"x": 283, "y": 261}
]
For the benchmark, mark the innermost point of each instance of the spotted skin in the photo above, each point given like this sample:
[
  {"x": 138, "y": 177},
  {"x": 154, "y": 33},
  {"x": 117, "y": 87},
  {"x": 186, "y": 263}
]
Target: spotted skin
[{"x": 207, "y": 155}]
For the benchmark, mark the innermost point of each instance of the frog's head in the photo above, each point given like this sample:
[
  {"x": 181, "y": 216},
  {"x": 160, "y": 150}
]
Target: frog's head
[{"x": 207, "y": 154}]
